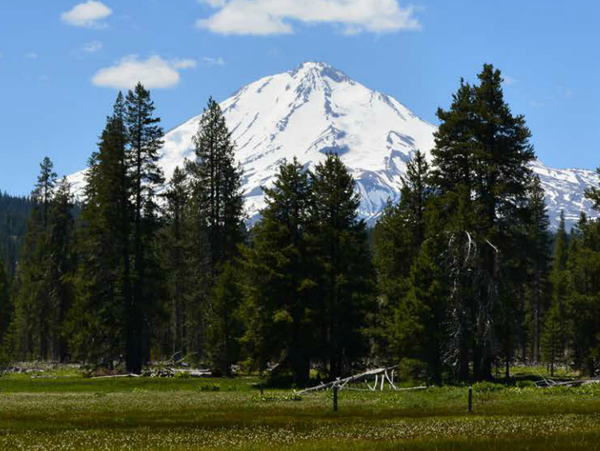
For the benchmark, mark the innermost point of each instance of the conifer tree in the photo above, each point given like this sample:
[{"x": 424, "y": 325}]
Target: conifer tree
[
  {"x": 345, "y": 272},
  {"x": 584, "y": 296},
  {"x": 177, "y": 252},
  {"x": 225, "y": 330},
  {"x": 61, "y": 267},
  {"x": 481, "y": 157},
  {"x": 539, "y": 256},
  {"x": 32, "y": 306},
  {"x": 144, "y": 138},
  {"x": 556, "y": 325},
  {"x": 5, "y": 304},
  {"x": 399, "y": 235},
  {"x": 218, "y": 217},
  {"x": 216, "y": 182},
  {"x": 97, "y": 322},
  {"x": 280, "y": 290},
  {"x": 44, "y": 188}
]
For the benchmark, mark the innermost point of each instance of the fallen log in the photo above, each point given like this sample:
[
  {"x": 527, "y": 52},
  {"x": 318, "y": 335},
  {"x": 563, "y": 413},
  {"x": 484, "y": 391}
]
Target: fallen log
[
  {"x": 114, "y": 376},
  {"x": 380, "y": 374},
  {"x": 549, "y": 383}
]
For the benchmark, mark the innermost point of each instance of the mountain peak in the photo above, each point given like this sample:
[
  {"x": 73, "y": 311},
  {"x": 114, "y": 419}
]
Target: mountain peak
[
  {"x": 316, "y": 109},
  {"x": 319, "y": 69}
]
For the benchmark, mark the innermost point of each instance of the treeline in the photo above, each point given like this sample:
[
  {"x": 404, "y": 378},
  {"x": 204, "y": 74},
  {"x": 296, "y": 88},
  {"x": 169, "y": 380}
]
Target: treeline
[
  {"x": 462, "y": 276},
  {"x": 14, "y": 215}
]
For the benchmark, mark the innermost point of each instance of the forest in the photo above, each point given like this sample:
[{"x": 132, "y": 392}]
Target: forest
[{"x": 459, "y": 281}]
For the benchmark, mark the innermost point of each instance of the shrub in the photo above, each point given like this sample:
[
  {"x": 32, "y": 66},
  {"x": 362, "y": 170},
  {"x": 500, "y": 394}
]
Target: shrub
[
  {"x": 487, "y": 387},
  {"x": 210, "y": 387},
  {"x": 412, "y": 369},
  {"x": 272, "y": 397}
]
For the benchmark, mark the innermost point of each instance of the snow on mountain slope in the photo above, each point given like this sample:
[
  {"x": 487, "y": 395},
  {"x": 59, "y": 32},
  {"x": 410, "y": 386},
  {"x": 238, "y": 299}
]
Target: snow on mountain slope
[
  {"x": 565, "y": 192},
  {"x": 316, "y": 109}
]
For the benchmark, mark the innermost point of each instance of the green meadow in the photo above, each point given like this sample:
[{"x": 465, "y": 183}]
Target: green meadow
[{"x": 66, "y": 411}]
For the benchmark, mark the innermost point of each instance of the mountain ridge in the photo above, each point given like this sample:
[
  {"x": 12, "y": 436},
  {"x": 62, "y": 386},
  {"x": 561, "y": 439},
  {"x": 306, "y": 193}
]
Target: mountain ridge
[{"x": 315, "y": 109}]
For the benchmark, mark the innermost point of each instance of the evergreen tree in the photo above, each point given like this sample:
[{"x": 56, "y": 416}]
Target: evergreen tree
[
  {"x": 216, "y": 183},
  {"x": 5, "y": 305},
  {"x": 14, "y": 216},
  {"x": 225, "y": 330},
  {"x": 481, "y": 157},
  {"x": 97, "y": 322},
  {"x": 32, "y": 305},
  {"x": 177, "y": 253},
  {"x": 399, "y": 235},
  {"x": 344, "y": 265},
  {"x": 280, "y": 310},
  {"x": 61, "y": 267},
  {"x": 556, "y": 326},
  {"x": 420, "y": 318},
  {"x": 144, "y": 137},
  {"x": 44, "y": 189},
  {"x": 539, "y": 256},
  {"x": 584, "y": 297},
  {"x": 218, "y": 215}
]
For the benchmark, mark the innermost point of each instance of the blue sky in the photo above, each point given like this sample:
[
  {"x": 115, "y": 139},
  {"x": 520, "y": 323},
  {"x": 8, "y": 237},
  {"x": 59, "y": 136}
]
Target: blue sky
[{"x": 62, "y": 60}]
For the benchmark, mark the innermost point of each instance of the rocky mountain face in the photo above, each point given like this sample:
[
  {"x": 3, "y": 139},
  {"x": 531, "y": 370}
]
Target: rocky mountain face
[{"x": 316, "y": 109}]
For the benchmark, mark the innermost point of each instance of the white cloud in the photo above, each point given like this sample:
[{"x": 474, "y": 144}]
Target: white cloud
[
  {"x": 269, "y": 17},
  {"x": 32, "y": 56},
  {"x": 152, "y": 73},
  {"x": 208, "y": 61},
  {"x": 92, "y": 47},
  {"x": 87, "y": 14},
  {"x": 509, "y": 81},
  {"x": 184, "y": 64}
]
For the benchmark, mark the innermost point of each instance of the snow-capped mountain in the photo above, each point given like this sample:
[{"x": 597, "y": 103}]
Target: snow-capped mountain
[{"x": 315, "y": 109}]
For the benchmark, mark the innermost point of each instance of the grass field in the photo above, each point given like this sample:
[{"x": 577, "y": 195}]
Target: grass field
[{"x": 69, "y": 412}]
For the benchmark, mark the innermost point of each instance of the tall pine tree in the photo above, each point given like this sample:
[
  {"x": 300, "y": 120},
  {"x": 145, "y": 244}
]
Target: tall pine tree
[
  {"x": 218, "y": 215},
  {"x": 344, "y": 265},
  {"x": 144, "y": 137},
  {"x": 280, "y": 308},
  {"x": 481, "y": 158},
  {"x": 97, "y": 323}
]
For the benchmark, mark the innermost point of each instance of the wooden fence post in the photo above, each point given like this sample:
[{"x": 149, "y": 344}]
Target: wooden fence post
[
  {"x": 335, "y": 398},
  {"x": 470, "y": 399}
]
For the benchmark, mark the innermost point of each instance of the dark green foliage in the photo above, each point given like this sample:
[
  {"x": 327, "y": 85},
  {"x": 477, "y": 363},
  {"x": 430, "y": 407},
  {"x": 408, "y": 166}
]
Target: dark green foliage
[
  {"x": 281, "y": 305},
  {"x": 584, "y": 296},
  {"x": 61, "y": 268},
  {"x": 43, "y": 291},
  {"x": 217, "y": 231},
  {"x": 538, "y": 253},
  {"x": 216, "y": 184},
  {"x": 14, "y": 216},
  {"x": 556, "y": 327},
  {"x": 5, "y": 305},
  {"x": 144, "y": 139},
  {"x": 399, "y": 238},
  {"x": 97, "y": 320},
  {"x": 482, "y": 177},
  {"x": 460, "y": 279},
  {"x": 176, "y": 253},
  {"x": 344, "y": 273},
  {"x": 224, "y": 327}
]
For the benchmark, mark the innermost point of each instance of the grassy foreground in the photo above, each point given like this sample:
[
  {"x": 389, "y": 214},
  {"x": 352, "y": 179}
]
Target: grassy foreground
[{"x": 69, "y": 412}]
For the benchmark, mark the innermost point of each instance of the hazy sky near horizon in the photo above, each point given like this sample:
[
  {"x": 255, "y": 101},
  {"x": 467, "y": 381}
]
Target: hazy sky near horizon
[{"x": 62, "y": 62}]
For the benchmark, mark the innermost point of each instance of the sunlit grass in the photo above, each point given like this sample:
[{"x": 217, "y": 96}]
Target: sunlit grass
[{"x": 70, "y": 412}]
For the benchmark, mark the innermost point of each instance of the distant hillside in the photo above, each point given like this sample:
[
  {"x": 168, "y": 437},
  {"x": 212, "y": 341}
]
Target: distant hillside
[{"x": 14, "y": 214}]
